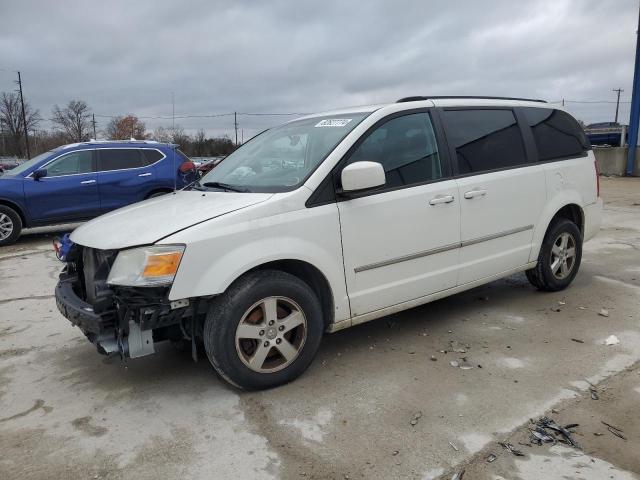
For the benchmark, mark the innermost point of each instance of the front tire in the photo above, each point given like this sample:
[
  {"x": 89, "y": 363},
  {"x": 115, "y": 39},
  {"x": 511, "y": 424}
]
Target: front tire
[
  {"x": 10, "y": 225},
  {"x": 264, "y": 331},
  {"x": 559, "y": 258}
]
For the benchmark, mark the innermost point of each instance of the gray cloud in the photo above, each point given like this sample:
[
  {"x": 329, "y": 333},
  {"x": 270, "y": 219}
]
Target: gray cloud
[{"x": 285, "y": 56}]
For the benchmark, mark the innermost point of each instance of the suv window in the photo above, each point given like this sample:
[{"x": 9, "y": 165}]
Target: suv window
[
  {"x": 151, "y": 156},
  {"x": 484, "y": 139},
  {"x": 119, "y": 159},
  {"x": 71, "y": 164},
  {"x": 556, "y": 133},
  {"x": 407, "y": 149}
]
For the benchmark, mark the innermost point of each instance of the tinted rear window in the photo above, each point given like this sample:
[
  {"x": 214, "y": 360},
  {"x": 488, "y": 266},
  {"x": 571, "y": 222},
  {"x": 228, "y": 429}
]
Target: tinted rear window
[
  {"x": 151, "y": 156},
  {"x": 484, "y": 139},
  {"x": 556, "y": 133},
  {"x": 119, "y": 159}
]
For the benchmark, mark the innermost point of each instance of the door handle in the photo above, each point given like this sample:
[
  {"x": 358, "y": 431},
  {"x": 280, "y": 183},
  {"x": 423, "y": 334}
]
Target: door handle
[
  {"x": 438, "y": 199},
  {"x": 86, "y": 182},
  {"x": 145, "y": 174},
  {"x": 476, "y": 192}
]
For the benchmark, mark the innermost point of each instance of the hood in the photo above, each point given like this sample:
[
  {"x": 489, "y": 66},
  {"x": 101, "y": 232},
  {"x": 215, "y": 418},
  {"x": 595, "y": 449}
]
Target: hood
[{"x": 147, "y": 222}]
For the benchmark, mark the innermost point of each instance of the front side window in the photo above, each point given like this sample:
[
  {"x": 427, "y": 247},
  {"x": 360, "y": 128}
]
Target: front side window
[
  {"x": 556, "y": 133},
  {"x": 405, "y": 147},
  {"x": 71, "y": 164},
  {"x": 484, "y": 139},
  {"x": 281, "y": 158},
  {"x": 119, "y": 159}
]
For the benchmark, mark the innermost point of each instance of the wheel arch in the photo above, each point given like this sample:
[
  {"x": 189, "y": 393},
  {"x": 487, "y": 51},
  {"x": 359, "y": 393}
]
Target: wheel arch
[
  {"x": 566, "y": 205},
  {"x": 157, "y": 190},
  {"x": 18, "y": 210},
  {"x": 309, "y": 274}
]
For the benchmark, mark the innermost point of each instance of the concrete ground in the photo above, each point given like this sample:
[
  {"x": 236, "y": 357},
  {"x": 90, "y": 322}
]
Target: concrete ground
[{"x": 381, "y": 400}]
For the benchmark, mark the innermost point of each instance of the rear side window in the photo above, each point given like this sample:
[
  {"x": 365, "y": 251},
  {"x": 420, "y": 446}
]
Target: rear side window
[
  {"x": 407, "y": 149},
  {"x": 71, "y": 164},
  {"x": 151, "y": 156},
  {"x": 484, "y": 139},
  {"x": 556, "y": 133},
  {"x": 119, "y": 159}
]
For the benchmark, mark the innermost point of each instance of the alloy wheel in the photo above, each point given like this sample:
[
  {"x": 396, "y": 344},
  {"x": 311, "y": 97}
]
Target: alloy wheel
[
  {"x": 563, "y": 255},
  {"x": 6, "y": 226},
  {"x": 271, "y": 334}
]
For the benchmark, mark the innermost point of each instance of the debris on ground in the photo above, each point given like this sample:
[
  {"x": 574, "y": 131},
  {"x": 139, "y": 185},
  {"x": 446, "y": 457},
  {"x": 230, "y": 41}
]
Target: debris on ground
[
  {"x": 582, "y": 308},
  {"x": 556, "y": 309},
  {"x": 461, "y": 363},
  {"x": 458, "y": 475},
  {"x": 458, "y": 347},
  {"x": 433, "y": 358},
  {"x": 614, "y": 430},
  {"x": 562, "y": 303},
  {"x": 540, "y": 436},
  {"x": 594, "y": 393},
  {"x": 603, "y": 312},
  {"x": 511, "y": 449},
  {"x": 577, "y": 340},
  {"x": 454, "y": 447},
  {"x": 612, "y": 340},
  {"x": 491, "y": 458},
  {"x": 414, "y": 420},
  {"x": 546, "y": 423}
]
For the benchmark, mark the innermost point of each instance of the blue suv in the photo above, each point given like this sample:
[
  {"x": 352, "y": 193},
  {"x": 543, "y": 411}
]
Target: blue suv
[{"x": 83, "y": 180}]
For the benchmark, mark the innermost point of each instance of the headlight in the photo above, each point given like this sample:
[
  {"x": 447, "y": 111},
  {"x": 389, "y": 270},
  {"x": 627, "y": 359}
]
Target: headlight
[{"x": 146, "y": 266}]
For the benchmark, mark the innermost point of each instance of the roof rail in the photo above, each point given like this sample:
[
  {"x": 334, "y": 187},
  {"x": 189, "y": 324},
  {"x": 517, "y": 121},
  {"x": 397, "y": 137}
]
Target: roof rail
[{"x": 465, "y": 97}]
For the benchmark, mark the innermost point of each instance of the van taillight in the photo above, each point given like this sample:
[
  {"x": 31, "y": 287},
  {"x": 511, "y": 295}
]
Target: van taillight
[
  {"x": 187, "y": 167},
  {"x": 595, "y": 162}
]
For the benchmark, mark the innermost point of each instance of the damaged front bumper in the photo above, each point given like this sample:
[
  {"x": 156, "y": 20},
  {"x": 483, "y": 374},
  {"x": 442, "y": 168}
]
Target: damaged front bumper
[{"x": 124, "y": 322}]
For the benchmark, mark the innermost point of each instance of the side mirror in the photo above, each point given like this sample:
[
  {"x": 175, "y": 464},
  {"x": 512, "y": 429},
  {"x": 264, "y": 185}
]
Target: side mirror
[
  {"x": 38, "y": 174},
  {"x": 362, "y": 176}
]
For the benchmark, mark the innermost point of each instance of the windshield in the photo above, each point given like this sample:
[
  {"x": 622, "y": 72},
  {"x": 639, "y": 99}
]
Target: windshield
[
  {"x": 28, "y": 164},
  {"x": 280, "y": 159}
]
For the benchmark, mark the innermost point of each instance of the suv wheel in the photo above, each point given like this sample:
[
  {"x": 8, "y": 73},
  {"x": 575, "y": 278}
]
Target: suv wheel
[
  {"x": 264, "y": 331},
  {"x": 10, "y": 225},
  {"x": 559, "y": 258}
]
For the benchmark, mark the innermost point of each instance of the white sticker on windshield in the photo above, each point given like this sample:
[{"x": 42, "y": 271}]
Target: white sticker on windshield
[{"x": 333, "y": 122}]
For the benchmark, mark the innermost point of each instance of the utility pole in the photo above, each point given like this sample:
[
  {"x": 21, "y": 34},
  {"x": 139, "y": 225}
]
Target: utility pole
[
  {"x": 93, "y": 122},
  {"x": 235, "y": 124},
  {"x": 24, "y": 117},
  {"x": 617, "y": 102},
  {"x": 173, "y": 113}
]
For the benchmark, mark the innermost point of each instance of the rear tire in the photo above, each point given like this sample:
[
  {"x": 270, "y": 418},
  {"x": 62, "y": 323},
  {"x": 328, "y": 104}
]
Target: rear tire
[
  {"x": 10, "y": 225},
  {"x": 559, "y": 258},
  {"x": 264, "y": 331}
]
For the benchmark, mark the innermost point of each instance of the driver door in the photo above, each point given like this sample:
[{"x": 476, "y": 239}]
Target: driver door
[{"x": 68, "y": 192}]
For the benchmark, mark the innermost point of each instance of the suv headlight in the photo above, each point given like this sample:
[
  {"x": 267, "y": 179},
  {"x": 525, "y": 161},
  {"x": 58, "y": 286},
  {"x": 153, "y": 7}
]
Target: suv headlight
[{"x": 151, "y": 266}]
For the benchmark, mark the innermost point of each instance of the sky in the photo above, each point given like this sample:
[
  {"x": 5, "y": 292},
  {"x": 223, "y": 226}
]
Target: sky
[{"x": 127, "y": 57}]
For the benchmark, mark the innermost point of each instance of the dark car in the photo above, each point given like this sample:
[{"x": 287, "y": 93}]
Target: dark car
[
  {"x": 7, "y": 165},
  {"x": 81, "y": 181}
]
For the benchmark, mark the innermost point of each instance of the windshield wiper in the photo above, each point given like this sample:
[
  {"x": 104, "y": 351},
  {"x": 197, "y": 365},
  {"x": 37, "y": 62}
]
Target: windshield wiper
[{"x": 226, "y": 186}]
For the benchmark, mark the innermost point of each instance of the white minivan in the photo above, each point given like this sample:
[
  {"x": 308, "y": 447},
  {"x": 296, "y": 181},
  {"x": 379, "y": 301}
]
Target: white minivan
[{"x": 332, "y": 220}]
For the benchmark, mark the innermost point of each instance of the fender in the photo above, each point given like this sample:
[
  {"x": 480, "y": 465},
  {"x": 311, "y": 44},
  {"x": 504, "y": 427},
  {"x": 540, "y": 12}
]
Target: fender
[
  {"x": 560, "y": 199},
  {"x": 20, "y": 209},
  {"x": 210, "y": 265}
]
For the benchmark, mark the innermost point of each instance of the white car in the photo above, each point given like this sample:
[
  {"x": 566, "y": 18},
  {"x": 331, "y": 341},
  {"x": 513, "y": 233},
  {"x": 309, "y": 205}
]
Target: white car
[{"x": 333, "y": 220}]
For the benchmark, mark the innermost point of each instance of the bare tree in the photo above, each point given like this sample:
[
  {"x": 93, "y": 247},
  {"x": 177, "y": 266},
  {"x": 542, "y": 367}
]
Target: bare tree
[
  {"x": 73, "y": 120},
  {"x": 124, "y": 128},
  {"x": 199, "y": 143},
  {"x": 13, "y": 123},
  {"x": 161, "y": 134}
]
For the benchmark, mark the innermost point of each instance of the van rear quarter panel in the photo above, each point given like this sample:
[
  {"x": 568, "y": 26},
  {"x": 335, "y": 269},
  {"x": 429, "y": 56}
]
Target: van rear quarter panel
[
  {"x": 568, "y": 182},
  {"x": 220, "y": 250}
]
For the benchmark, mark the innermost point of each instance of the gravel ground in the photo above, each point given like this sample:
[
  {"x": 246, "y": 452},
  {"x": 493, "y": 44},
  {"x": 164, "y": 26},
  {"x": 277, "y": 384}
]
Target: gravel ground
[{"x": 381, "y": 400}]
